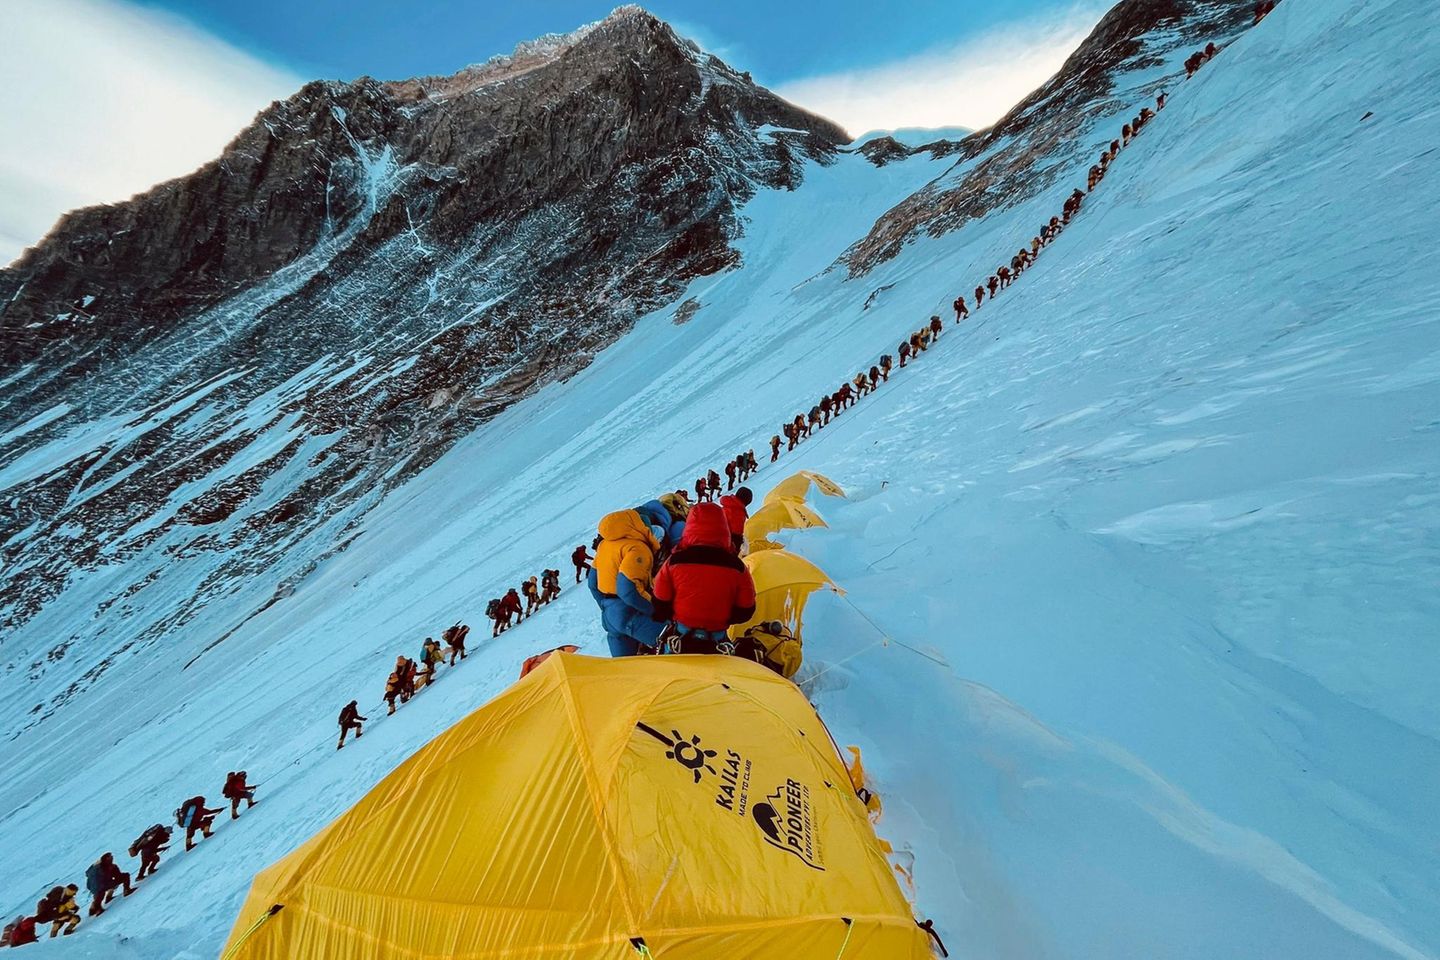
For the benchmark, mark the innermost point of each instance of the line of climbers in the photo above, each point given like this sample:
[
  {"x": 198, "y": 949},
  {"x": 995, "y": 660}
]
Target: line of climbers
[
  {"x": 667, "y": 575},
  {"x": 1199, "y": 58},
  {"x": 707, "y": 488},
  {"x": 536, "y": 593},
  {"x": 663, "y": 576},
  {"x": 60, "y": 907},
  {"x": 830, "y": 406},
  {"x": 409, "y": 676}
]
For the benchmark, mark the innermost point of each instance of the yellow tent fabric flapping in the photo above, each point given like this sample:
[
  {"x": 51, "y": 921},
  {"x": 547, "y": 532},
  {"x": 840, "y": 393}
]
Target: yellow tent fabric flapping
[
  {"x": 797, "y": 487},
  {"x": 783, "y": 584},
  {"x": 694, "y": 806},
  {"x": 782, "y": 514}
]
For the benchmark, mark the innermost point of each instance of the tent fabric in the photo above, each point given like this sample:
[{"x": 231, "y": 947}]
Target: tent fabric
[
  {"x": 784, "y": 582},
  {"x": 532, "y": 662},
  {"x": 858, "y": 782},
  {"x": 781, "y": 514},
  {"x": 797, "y": 487},
  {"x": 693, "y": 804},
  {"x": 779, "y": 567}
]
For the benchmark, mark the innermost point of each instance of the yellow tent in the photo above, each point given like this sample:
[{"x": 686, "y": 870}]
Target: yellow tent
[
  {"x": 781, "y": 514},
  {"x": 684, "y": 807},
  {"x": 797, "y": 487},
  {"x": 783, "y": 584}
]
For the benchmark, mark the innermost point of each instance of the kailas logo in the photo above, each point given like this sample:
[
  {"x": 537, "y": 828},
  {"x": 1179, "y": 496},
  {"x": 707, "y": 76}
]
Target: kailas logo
[
  {"x": 787, "y": 819},
  {"x": 688, "y": 753}
]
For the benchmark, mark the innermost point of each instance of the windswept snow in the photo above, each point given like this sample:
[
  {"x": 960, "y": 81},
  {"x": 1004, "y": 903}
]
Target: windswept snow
[{"x": 1154, "y": 534}]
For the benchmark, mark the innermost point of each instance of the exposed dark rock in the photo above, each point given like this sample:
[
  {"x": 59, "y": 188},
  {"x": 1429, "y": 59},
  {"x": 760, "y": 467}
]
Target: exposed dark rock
[
  {"x": 1037, "y": 140},
  {"x": 686, "y": 311},
  {"x": 882, "y": 150},
  {"x": 367, "y": 272}
]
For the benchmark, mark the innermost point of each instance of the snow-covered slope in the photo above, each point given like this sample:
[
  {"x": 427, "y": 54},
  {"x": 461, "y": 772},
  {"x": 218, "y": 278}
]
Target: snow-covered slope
[
  {"x": 208, "y": 384},
  {"x": 1163, "y": 520}
]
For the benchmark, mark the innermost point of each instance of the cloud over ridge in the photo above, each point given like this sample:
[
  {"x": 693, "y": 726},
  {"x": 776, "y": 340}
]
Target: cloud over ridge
[
  {"x": 970, "y": 83},
  {"x": 108, "y": 99}
]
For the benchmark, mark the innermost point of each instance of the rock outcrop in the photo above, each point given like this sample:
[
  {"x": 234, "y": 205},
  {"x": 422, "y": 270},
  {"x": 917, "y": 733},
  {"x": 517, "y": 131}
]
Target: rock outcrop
[
  {"x": 1043, "y": 136},
  {"x": 245, "y": 358}
]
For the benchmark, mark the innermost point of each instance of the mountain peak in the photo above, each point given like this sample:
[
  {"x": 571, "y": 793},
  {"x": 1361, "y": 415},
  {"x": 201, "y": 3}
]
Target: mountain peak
[
  {"x": 626, "y": 26},
  {"x": 372, "y": 219}
]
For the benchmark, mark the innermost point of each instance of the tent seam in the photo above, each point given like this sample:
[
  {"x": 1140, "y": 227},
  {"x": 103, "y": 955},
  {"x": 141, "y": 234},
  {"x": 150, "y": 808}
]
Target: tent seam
[
  {"x": 587, "y": 763},
  {"x": 880, "y": 919}
]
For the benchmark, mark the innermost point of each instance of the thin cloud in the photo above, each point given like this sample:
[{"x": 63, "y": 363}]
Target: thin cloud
[
  {"x": 107, "y": 99},
  {"x": 970, "y": 84},
  {"x": 729, "y": 52}
]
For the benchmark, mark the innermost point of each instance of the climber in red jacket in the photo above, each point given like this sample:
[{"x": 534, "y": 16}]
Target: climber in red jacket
[
  {"x": 704, "y": 587},
  {"x": 736, "y": 513}
]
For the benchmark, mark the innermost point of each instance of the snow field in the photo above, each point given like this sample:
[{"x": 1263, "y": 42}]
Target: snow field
[{"x": 1165, "y": 512}]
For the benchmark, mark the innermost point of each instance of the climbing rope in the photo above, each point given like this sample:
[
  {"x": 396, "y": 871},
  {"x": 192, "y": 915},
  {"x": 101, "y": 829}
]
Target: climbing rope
[
  {"x": 276, "y": 908},
  {"x": 888, "y": 638},
  {"x": 929, "y": 927},
  {"x": 849, "y": 929},
  {"x": 883, "y": 639}
]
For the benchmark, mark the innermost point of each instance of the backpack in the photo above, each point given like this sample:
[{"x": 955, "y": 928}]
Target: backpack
[
  {"x": 771, "y": 645},
  {"x": 677, "y": 507},
  {"x": 230, "y": 790},
  {"x": 22, "y": 932},
  {"x": 95, "y": 877},
  {"x": 49, "y": 908},
  {"x": 148, "y": 838},
  {"x": 492, "y": 609},
  {"x": 188, "y": 811}
]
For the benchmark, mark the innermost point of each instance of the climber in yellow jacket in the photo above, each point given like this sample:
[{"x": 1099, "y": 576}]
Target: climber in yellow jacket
[{"x": 621, "y": 581}]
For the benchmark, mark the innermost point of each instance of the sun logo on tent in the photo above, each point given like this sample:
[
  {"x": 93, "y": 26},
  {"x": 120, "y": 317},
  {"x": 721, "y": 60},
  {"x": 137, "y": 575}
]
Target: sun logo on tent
[{"x": 688, "y": 753}]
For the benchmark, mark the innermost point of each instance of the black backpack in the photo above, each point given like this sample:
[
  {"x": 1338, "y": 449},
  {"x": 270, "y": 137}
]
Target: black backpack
[
  {"x": 48, "y": 909},
  {"x": 492, "y": 609},
  {"x": 95, "y": 877},
  {"x": 152, "y": 837}
]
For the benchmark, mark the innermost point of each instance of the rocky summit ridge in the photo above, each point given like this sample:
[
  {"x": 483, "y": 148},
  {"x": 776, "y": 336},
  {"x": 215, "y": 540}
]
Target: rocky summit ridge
[{"x": 245, "y": 358}]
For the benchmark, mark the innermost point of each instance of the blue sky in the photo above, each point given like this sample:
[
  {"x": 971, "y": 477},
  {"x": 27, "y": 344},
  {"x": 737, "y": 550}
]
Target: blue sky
[
  {"x": 777, "y": 41},
  {"x": 122, "y": 94}
]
